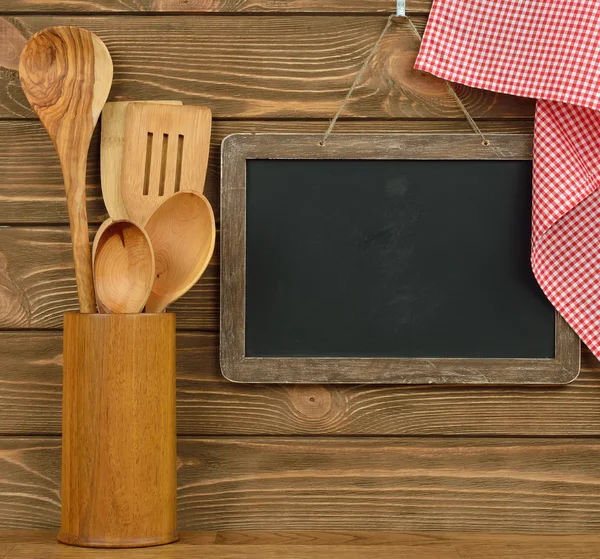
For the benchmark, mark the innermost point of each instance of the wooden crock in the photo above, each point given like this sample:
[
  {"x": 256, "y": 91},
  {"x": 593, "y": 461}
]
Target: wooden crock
[{"x": 119, "y": 475}]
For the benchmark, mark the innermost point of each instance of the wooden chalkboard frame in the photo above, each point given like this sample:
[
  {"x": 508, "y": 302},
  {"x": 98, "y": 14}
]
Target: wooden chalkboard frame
[{"x": 235, "y": 366}]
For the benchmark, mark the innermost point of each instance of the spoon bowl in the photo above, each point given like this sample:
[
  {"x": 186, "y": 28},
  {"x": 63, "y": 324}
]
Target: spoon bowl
[
  {"x": 182, "y": 232},
  {"x": 99, "y": 234},
  {"x": 123, "y": 267}
]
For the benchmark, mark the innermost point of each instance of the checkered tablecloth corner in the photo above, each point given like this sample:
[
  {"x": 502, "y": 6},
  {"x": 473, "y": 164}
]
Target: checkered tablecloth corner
[{"x": 549, "y": 51}]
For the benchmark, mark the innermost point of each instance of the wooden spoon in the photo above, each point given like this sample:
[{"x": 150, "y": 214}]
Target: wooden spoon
[
  {"x": 66, "y": 74},
  {"x": 182, "y": 232},
  {"x": 123, "y": 267},
  {"x": 105, "y": 225}
]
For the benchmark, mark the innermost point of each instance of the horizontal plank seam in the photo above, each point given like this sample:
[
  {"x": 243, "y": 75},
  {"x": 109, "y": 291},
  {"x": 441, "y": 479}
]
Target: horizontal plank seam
[
  {"x": 38, "y": 224},
  {"x": 59, "y": 330},
  {"x": 140, "y": 13},
  {"x": 61, "y": 224},
  {"x": 370, "y": 119},
  {"x": 5, "y": 555},
  {"x": 332, "y": 436}
]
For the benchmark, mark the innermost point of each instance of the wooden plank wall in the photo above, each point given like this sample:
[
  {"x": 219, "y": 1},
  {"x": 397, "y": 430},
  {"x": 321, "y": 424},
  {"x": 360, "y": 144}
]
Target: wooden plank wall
[{"x": 273, "y": 457}]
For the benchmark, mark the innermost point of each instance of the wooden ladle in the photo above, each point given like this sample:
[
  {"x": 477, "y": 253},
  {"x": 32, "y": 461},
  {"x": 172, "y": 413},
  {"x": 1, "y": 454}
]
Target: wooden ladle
[
  {"x": 182, "y": 232},
  {"x": 123, "y": 267},
  {"x": 66, "y": 74}
]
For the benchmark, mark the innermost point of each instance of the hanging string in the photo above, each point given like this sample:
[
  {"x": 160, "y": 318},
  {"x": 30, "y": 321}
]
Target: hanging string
[
  {"x": 364, "y": 66},
  {"x": 356, "y": 81},
  {"x": 454, "y": 95}
]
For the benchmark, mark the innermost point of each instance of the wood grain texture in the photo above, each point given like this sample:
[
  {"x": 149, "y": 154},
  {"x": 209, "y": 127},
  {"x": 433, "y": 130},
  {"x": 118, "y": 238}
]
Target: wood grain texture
[
  {"x": 119, "y": 438},
  {"x": 270, "y": 67},
  {"x": 37, "y": 282},
  {"x": 554, "y": 550},
  {"x": 362, "y": 538},
  {"x": 31, "y": 544},
  {"x": 13, "y": 537},
  {"x": 31, "y": 188},
  {"x": 212, "y": 6},
  {"x": 375, "y": 538},
  {"x": 11, "y": 45},
  {"x": 207, "y": 404},
  {"x": 440, "y": 484},
  {"x": 175, "y": 551}
]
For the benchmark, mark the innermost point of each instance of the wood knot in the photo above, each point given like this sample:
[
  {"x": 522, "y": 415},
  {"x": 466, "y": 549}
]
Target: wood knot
[
  {"x": 405, "y": 80},
  {"x": 13, "y": 303},
  {"x": 11, "y": 45},
  {"x": 313, "y": 402}
]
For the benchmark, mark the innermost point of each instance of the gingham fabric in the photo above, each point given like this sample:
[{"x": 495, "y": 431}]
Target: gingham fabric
[{"x": 549, "y": 50}]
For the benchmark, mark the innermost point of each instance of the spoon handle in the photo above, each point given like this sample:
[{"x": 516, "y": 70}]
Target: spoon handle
[{"x": 74, "y": 175}]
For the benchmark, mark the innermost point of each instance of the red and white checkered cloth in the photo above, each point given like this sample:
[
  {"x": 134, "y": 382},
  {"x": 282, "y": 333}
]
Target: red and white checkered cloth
[{"x": 549, "y": 50}]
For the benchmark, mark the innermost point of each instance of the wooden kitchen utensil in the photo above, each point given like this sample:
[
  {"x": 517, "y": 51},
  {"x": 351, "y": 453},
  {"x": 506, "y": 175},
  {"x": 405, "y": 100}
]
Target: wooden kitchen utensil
[
  {"x": 66, "y": 74},
  {"x": 165, "y": 151},
  {"x": 182, "y": 232},
  {"x": 111, "y": 154},
  {"x": 123, "y": 267},
  {"x": 105, "y": 224}
]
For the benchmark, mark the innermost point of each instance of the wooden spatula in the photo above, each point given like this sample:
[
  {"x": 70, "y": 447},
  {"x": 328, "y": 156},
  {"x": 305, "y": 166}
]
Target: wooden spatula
[
  {"x": 165, "y": 152},
  {"x": 111, "y": 154}
]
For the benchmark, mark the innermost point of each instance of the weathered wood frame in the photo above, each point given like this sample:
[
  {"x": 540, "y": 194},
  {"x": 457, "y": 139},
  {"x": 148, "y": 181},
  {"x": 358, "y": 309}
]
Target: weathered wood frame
[{"x": 235, "y": 366}]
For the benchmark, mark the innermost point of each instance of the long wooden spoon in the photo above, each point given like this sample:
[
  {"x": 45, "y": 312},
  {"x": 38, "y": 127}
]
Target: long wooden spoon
[
  {"x": 66, "y": 74},
  {"x": 182, "y": 232},
  {"x": 123, "y": 267}
]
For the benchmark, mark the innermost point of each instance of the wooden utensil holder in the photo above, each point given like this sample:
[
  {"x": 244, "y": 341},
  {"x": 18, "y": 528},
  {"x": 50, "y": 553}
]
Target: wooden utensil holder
[{"x": 119, "y": 476}]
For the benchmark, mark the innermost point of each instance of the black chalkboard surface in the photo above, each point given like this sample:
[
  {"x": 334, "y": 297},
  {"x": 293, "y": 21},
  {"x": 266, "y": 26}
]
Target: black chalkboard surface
[
  {"x": 383, "y": 259},
  {"x": 392, "y": 259}
]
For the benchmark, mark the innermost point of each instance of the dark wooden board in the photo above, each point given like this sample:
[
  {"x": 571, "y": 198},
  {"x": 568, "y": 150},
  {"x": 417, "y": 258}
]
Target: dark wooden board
[
  {"x": 183, "y": 550},
  {"x": 379, "y": 537},
  {"x": 211, "y": 6},
  {"x": 267, "y": 67},
  {"x": 31, "y": 186},
  {"x": 31, "y": 377},
  {"x": 37, "y": 282},
  {"x": 233, "y": 73},
  {"x": 251, "y": 350},
  {"x": 355, "y": 538},
  {"x": 449, "y": 484}
]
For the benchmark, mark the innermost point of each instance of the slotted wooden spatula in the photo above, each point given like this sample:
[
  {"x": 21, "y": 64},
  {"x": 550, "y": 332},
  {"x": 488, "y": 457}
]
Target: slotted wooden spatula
[
  {"x": 111, "y": 154},
  {"x": 165, "y": 151}
]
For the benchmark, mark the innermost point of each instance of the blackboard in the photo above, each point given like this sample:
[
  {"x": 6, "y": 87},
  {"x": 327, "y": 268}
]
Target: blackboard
[{"x": 403, "y": 261}]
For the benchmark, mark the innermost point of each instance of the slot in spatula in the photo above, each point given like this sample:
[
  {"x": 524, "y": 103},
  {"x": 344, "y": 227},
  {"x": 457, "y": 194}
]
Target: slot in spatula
[
  {"x": 165, "y": 151},
  {"x": 111, "y": 154}
]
